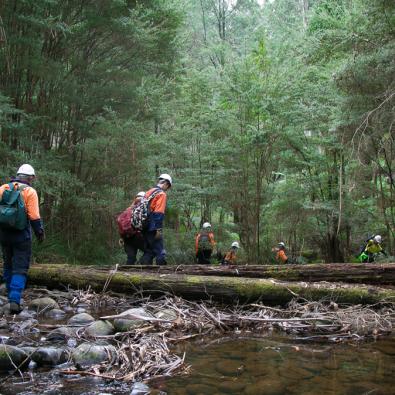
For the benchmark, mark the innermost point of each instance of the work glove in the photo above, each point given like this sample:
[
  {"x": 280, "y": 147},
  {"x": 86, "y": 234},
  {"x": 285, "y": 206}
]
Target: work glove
[
  {"x": 40, "y": 237},
  {"x": 158, "y": 234}
]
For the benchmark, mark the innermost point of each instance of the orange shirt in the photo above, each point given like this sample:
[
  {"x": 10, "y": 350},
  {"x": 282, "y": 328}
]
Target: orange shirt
[
  {"x": 281, "y": 257},
  {"x": 230, "y": 257},
  {"x": 30, "y": 198},
  {"x": 210, "y": 238}
]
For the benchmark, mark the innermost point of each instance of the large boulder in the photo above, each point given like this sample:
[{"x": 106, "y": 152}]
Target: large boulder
[
  {"x": 43, "y": 304},
  {"x": 99, "y": 328},
  {"x": 11, "y": 356},
  {"x": 81, "y": 319},
  {"x": 49, "y": 356},
  {"x": 127, "y": 324},
  {"x": 87, "y": 354}
]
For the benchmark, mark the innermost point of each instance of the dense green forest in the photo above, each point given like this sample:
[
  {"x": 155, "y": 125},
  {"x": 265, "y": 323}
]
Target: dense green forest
[{"x": 274, "y": 118}]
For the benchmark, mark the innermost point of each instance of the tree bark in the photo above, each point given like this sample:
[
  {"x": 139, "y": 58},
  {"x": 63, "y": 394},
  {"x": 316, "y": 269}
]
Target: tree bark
[{"x": 195, "y": 287}]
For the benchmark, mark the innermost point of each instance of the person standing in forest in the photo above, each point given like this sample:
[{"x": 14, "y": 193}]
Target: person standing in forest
[
  {"x": 231, "y": 255},
  {"x": 281, "y": 256},
  {"x": 153, "y": 236},
  {"x": 204, "y": 244},
  {"x": 19, "y": 212},
  {"x": 134, "y": 242},
  {"x": 371, "y": 249}
]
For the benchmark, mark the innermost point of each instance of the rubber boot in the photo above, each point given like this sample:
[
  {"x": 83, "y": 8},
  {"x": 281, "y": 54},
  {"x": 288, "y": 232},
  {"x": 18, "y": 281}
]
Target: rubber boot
[{"x": 17, "y": 285}]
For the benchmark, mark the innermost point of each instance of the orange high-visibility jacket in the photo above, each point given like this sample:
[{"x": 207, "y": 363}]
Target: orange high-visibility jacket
[
  {"x": 156, "y": 209},
  {"x": 210, "y": 238},
  {"x": 281, "y": 257}
]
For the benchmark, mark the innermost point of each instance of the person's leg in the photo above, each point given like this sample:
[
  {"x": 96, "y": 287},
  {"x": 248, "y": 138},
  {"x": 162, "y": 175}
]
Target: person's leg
[
  {"x": 207, "y": 256},
  {"x": 20, "y": 265},
  {"x": 131, "y": 251},
  {"x": 200, "y": 257},
  {"x": 148, "y": 256},
  {"x": 7, "y": 264},
  {"x": 158, "y": 249}
]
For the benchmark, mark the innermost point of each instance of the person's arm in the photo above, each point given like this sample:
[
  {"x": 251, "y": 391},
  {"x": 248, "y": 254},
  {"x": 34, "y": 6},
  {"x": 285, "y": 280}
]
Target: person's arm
[
  {"x": 33, "y": 212},
  {"x": 211, "y": 238},
  {"x": 197, "y": 242},
  {"x": 157, "y": 211}
]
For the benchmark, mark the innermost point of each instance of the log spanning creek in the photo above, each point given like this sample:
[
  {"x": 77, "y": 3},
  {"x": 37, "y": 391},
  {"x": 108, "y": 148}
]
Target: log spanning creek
[{"x": 107, "y": 339}]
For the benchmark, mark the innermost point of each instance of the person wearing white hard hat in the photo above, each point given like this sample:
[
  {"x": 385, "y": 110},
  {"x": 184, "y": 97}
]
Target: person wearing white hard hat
[
  {"x": 131, "y": 239},
  {"x": 231, "y": 255},
  {"x": 204, "y": 244},
  {"x": 19, "y": 212},
  {"x": 153, "y": 236},
  {"x": 371, "y": 249},
  {"x": 281, "y": 256}
]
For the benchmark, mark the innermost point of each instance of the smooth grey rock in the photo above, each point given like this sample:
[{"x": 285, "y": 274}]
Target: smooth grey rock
[
  {"x": 87, "y": 354},
  {"x": 3, "y": 324},
  {"x": 80, "y": 310},
  {"x": 49, "y": 356},
  {"x": 81, "y": 319},
  {"x": 62, "y": 333},
  {"x": 99, "y": 328},
  {"x": 14, "y": 354},
  {"x": 43, "y": 304},
  {"x": 127, "y": 324}
]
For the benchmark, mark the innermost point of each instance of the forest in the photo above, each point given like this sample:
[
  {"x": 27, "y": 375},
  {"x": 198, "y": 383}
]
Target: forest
[{"x": 275, "y": 119}]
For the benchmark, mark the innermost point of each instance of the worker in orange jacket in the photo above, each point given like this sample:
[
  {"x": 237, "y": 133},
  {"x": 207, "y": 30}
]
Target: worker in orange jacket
[
  {"x": 281, "y": 257},
  {"x": 204, "y": 244},
  {"x": 153, "y": 235},
  {"x": 16, "y": 243},
  {"x": 231, "y": 256}
]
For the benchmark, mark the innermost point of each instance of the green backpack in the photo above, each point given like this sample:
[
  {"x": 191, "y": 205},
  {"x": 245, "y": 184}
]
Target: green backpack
[{"x": 12, "y": 209}]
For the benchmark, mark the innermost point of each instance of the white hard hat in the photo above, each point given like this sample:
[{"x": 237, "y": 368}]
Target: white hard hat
[
  {"x": 141, "y": 194},
  {"x": 166, "y": 177},
  {"x": 27, "y": 170},
  {"x": 281, "y": 244},
  {"x": 235, "y": 244},
  {"x": 377, "y": 239},
  {"x": 206, "y": 225}
]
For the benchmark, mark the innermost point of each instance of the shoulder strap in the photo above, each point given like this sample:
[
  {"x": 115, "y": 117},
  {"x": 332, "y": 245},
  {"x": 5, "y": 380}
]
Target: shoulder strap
[{"x": 153, "y": 194}]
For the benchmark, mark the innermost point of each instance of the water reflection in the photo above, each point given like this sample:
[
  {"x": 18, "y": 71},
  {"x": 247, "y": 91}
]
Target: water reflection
[{"x": 281, "y": 366}]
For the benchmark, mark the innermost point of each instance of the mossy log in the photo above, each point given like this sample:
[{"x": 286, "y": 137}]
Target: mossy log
[
  {"x": 383, "y": 274},
  {"x": 197, "y": 287}
]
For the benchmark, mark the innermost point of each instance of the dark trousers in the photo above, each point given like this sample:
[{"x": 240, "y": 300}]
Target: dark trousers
[
  {"x": 153, "y": 249},
  {"x": 17, "y": 257},
  {"x": 203, "y": 257},
  {"x": 132, "y": 245}
]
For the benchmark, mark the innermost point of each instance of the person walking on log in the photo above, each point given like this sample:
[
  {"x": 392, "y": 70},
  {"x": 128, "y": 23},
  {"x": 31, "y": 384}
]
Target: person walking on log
[
  {"x": 281, "y": 256},
  {"x": 152, "y": 232},
  {"x": 371, "y": 249},
  {"x": 131, "y": 239},
  {"x": 231, "y": 255},
  {"x": 19, "y": 212},
  {"x": 204, "y": 244}
]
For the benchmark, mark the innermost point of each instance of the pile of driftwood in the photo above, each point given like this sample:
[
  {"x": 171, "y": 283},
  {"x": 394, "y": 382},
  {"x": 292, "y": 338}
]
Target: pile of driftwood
[{"x": 146, "y": 352}]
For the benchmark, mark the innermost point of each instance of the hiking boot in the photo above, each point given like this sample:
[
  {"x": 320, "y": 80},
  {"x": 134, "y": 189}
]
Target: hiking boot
[{"x": 15, "y": 308}]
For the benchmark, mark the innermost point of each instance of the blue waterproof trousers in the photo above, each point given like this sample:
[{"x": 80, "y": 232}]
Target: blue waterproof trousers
[
  {"x": 153, "y": 249},
  {"x": 17, "y": 257}
]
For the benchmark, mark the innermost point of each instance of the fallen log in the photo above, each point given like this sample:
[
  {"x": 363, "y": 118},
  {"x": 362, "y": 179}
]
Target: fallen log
[
  {"x": 195, "y": 287},
  {"x": 383, "y": 274}
]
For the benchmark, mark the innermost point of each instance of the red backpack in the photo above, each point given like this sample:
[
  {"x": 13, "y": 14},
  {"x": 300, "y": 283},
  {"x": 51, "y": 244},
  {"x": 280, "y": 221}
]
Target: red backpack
[{"x": 124, "y": 221}]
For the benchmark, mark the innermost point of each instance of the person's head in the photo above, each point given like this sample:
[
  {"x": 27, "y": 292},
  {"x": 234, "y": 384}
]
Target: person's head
[
  {"x": 235, "y": 245},
  {"x": 206, "y": 226},
  {"x": 164, "y": 181},
  {"x": 281, "y": 245},
  {"x": 377, "y": 239},
  {"x": 26, "y": 173}
]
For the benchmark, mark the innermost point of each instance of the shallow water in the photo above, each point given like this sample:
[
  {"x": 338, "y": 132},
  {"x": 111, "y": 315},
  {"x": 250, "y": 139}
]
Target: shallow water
[
  {"x": 274, "y": 365},
  {"x": 284, "y": 366}
]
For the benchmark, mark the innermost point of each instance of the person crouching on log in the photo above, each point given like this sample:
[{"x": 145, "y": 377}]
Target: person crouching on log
[
  {"x": 153, "y": 236},
  {"x": 281, "y": 257},
  {"x": 134, "y": 241},
  {"x": 371, "y": 249},
  {"x": 231, "y": 255},
  {"x": 204, "y": 244}
]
